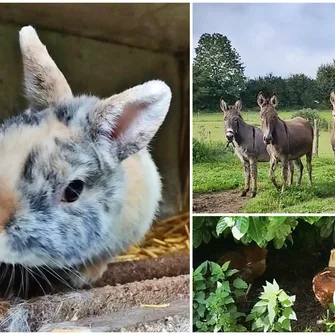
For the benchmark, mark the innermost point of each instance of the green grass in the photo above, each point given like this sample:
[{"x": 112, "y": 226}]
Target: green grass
[{"x": 226, "y": 173}]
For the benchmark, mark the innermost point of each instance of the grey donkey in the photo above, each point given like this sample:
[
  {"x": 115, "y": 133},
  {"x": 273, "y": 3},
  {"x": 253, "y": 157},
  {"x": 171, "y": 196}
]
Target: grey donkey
[{"x": 248, "y": 144}]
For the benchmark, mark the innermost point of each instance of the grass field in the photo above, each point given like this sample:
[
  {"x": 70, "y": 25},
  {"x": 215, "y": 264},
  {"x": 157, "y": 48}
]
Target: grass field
[{"x": 225, "y": 173}]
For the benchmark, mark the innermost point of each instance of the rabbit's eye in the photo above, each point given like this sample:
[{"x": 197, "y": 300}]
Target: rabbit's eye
[{"x": 73, "y": 191}]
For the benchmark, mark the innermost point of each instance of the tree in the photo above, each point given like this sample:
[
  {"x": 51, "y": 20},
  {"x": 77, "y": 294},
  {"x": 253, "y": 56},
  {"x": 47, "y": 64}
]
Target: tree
[
  {"x": 217, "y": 71},
  {"x": 302, "y": 91},
  {"x": 269, "y": 85},
  {"x": 325, "y": 79}
]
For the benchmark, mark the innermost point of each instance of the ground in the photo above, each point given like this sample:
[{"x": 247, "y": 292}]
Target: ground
[
  {"x": 218, "y": 202},
  {"x": 218, "y": 182}
]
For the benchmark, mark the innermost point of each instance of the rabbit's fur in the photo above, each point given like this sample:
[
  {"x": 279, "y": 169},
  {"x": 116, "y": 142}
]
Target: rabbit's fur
[{"x": 62, "y": 138}]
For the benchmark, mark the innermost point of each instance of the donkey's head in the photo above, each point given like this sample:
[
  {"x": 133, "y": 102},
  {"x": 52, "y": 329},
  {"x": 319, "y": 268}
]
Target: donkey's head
[
  {"x": 332, "y": 100},
  {"x": 268, "y": 115},
  {"x": 232, "y": 118}
]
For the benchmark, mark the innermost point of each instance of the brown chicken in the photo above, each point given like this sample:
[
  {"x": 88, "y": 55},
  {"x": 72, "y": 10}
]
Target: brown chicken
[
  {"x": 250, "y": 260},
  {"x": 324, "y": 283}
]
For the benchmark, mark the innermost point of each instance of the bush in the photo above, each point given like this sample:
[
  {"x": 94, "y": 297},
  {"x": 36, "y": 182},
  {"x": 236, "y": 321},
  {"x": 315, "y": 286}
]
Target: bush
[
  {"x": 214, "y": 296},
  {"x": 204, "y": 152},
  {"x": 274, "y": 310},
  {"x": 311, "y": 115}
]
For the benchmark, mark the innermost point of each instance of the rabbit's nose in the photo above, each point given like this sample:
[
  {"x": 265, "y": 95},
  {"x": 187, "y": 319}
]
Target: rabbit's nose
[{"x": 7, "y": 208}]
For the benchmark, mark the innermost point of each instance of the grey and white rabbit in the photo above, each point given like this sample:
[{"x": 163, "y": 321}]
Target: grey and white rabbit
[{"x": 77, "y": 183}]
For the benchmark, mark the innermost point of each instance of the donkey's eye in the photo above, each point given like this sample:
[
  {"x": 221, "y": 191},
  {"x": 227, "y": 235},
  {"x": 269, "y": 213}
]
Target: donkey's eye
[{"x": 73, "y": 191}]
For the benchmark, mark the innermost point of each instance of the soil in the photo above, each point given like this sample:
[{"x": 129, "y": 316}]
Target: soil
[{"x": 218, "y": 202}]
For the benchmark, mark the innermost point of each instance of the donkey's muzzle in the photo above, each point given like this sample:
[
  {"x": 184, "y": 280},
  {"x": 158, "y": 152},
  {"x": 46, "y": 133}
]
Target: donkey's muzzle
[
  {"x": 229, "y": 137},
  {"x": 267, "y": 139}
]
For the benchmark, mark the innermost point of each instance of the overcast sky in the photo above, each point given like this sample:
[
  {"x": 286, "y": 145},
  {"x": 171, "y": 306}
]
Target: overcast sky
[{"x": 278, "y": 38}]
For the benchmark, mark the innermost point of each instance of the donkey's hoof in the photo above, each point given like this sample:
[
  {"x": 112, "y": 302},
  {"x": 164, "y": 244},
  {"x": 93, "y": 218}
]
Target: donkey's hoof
[
  {"x": 244, "y": 193},
  {"x": 253, "y": 194}
]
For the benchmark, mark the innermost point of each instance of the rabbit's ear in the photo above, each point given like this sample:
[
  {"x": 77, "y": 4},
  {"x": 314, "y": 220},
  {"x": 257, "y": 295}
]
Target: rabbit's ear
[
  {"x": 45, "y": 85},
  {"x": 131, "y": 119}
]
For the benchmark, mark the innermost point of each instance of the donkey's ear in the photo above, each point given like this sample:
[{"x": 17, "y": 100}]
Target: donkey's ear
[
  {"x": 44, "y": 83},
  {"x": 274, "y": 100},
  {"x": 223, "y": 105},
  {"x": 129, "y": 120},
  {"x": 238, "y": 105},
  {"x": 332, "y": 98},
  {"x": 260, "y": 99}
]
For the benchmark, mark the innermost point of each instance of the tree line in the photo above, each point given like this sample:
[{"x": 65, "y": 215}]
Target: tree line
[{"x": 219, "y": 71}]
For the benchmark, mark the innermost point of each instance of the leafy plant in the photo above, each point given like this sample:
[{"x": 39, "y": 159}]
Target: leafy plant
[
  {"x": 311, "y": 115},
  {"x": 274, "y": 310},
  {"x": 261, "y": 230},
  {"x": 209, "y": 152},
  {"x": 203, "y": 229},
  {"x": 214, "y": 296}
]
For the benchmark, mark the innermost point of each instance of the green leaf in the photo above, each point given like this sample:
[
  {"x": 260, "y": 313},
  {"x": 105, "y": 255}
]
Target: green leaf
[
  {"x": 231, "y": 272},
  {"x": 202, "y": 268},
  {"x": 258, "y": 324},
  {"x": 197, "y": 238},
  {"x": 241, "y": 227},
  {"x": 225, "y": 286},
  {"x": 225, "y": 266},
  {"x": 240, "y": 283},
  {"x": 215, "y": 268},
  {"x": 200, "y": 285},
  {"x": 286, "y": 324},
  {"x": 261, "y": 303},
  {"x": 200, "y": 297},
  {"x": 201, "y": 310},
  {"x": 312, "y": 219},
  {"x": 272, "y": 309},
  {"x": 198, "y": 222},
  {"x": 206, "y": 236},
  {"x": 256, "y": 230},
  {"x": 251, "y": 317},
  {"x": 223, "y": 224}
]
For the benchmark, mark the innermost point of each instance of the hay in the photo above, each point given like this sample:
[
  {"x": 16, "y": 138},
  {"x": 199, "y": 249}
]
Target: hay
[{"x": 166, "y": 237}]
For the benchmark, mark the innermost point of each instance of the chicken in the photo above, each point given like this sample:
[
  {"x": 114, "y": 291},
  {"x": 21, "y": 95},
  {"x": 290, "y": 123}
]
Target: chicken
[
  {"x": 324, "y": 283},
  {"x": 250, "y": 260}
]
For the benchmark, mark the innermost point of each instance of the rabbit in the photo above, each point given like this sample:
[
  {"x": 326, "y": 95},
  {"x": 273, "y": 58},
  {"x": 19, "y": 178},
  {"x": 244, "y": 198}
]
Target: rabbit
[{"x": 77, "y": 182}]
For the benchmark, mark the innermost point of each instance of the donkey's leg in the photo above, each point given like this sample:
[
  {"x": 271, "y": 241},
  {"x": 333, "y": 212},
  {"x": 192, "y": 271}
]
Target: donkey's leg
[
  {"x": 273, "y": 165},
  {"x": 290, "y": 172},
  {"x": 309, "y": 166},
  {"x": 246, "y": 168},
  {"x": 253, "y": 172},
  {"x": 300, "y": 166},
  {"x": 284, "y": 163}
]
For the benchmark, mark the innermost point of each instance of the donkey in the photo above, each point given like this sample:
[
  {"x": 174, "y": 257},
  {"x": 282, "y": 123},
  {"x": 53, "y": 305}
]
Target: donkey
[
  {"x": 248, "y": 144},
  {"x": 332, "y": 136},
  {"x": 285, "y": 140}
]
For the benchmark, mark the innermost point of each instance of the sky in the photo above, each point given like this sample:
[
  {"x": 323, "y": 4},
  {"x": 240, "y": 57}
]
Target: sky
[{"x": 272, "y": 37}]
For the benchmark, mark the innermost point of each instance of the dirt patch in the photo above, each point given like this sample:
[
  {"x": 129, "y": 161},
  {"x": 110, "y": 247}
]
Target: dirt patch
[{"x": 219, "y": 202}]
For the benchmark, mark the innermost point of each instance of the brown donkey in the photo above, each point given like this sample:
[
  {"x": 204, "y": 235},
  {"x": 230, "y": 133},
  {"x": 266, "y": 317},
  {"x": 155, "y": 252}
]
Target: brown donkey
[
  {"x": 286, "y": 140},
  {"x": 332, "y": 136},
  {"x": 248, "y": 144}
]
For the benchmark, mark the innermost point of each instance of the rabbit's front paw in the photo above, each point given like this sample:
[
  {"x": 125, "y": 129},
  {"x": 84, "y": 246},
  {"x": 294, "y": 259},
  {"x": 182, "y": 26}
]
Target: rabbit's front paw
[{"x": 87, "y": 275}]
